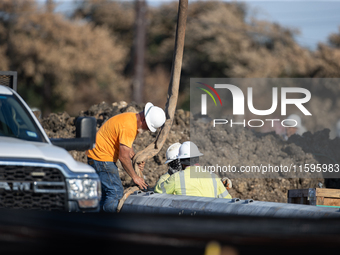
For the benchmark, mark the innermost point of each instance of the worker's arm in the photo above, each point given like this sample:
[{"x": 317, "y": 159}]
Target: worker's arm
[
  {"x": 132, "y": 152},
  {"x": 125, "y": 159},
  {"x": 167, "y": 186},
  {"x": 163, "y": 178},
  {"x": 140, "y": 164}
]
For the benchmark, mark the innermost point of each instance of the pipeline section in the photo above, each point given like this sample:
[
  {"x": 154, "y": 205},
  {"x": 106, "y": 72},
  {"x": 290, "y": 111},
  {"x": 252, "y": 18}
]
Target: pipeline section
[{"x": 149, "y": 202}]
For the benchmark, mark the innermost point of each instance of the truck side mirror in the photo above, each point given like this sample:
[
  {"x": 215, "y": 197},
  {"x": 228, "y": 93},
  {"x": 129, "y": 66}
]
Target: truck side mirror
[
  {"x": 86, "y": 128},
  {"x": 85, "y": 136}
]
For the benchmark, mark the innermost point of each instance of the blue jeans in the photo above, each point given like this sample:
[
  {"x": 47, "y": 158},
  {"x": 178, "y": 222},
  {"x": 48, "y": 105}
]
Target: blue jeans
[{"x": 112, "y": 188}]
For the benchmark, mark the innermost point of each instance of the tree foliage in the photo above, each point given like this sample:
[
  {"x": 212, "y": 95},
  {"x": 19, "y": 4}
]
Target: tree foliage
[
  {"x": 87, "y": 59},
  {"x": 59, "y": 57}
]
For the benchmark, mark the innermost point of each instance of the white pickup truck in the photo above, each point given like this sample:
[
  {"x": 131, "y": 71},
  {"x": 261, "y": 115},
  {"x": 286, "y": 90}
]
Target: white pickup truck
[{"x": 34, "y": 172}]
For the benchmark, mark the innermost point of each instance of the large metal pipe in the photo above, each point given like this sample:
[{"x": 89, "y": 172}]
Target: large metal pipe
[{"x": 149, "y": 202}]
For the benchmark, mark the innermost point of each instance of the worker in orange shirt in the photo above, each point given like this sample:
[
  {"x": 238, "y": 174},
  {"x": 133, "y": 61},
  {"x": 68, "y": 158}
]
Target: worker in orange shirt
[{"x": 114, "y": 141}]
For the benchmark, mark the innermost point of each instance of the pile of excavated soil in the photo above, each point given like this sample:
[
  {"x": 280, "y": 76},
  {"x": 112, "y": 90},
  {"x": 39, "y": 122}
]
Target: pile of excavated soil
[{"x": 236, "y": 146}]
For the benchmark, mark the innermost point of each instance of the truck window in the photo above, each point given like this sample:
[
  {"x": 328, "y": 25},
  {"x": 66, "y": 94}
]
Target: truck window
[{"x": 16, "y": 122}]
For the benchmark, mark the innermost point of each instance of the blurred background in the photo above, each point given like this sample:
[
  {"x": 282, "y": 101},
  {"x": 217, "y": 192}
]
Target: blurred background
[{"x": 70, "y": 55}]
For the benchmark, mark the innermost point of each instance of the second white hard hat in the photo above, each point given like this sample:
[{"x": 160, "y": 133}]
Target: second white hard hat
[
  {"x": 172, "y": 152},
  {"x": 296, "y": 118},
  {"x": 154, "y": 116},
  {"x": 188, "y": 150}
]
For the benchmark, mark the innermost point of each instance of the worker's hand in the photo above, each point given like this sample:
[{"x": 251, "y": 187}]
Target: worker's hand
[
  {"x": 227, "y": 183},
  {"x": 140, "y": 182},
  {"x": 141, "y": 165}
]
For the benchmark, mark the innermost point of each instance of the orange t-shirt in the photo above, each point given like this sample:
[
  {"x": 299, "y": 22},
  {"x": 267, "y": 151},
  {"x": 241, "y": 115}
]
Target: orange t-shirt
[{"x": 121, "y": 128}]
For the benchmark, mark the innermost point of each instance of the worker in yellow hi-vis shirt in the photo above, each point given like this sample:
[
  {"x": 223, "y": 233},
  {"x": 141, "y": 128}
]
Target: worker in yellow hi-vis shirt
[{"x": 192, "y": 181}]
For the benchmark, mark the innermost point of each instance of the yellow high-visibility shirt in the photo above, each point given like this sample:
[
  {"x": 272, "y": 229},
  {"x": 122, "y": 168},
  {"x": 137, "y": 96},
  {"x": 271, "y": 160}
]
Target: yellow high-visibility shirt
[
  {"x": 191, "y": 182},
  {"x": 163, "y": 178}
]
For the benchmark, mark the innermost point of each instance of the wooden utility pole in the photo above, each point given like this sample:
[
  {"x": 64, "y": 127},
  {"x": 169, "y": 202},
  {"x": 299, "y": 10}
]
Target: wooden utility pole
[
  {"x": 139, "y": 51},
  {"x": 50, "y": 6},
  {"x": 48, "y": 83}
]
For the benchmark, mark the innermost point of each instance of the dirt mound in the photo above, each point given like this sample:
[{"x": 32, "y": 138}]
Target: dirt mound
[{"x": 240, "y": 146}]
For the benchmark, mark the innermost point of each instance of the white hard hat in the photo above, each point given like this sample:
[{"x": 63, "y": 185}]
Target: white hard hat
[
  {"x": 188, "y": 150},
  {"x": 154, "y": 116},
  {"x": 172, "y": 152},
  {"x": 338, "y": 125},
  {"x": 338, "y": 128},
  {"x": 296, "y": 118}
]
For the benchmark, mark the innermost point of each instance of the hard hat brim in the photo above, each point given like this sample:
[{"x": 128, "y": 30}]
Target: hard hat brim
[
  {"x": 168, "y": 161},
  {"x": 147, "y": 117}
]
